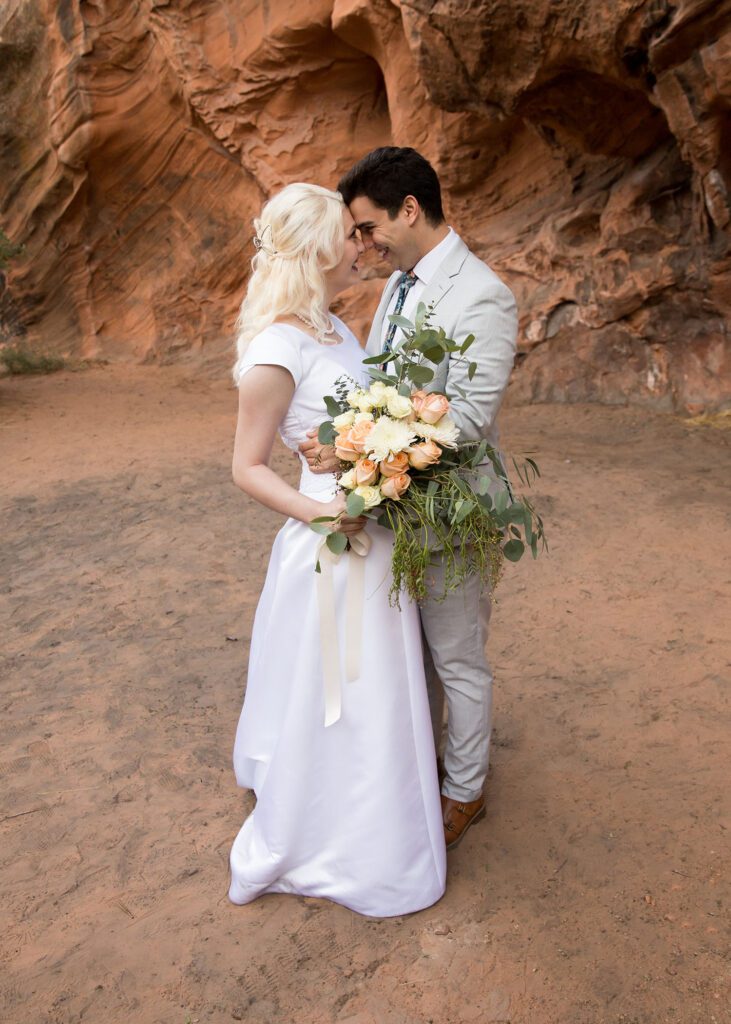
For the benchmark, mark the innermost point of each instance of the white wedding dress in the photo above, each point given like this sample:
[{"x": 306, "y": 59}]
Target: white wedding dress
[{"x": 350, "y": 812}]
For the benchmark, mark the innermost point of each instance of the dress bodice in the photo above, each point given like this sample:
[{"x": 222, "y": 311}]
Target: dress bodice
[{"x": 316, "y": 369}]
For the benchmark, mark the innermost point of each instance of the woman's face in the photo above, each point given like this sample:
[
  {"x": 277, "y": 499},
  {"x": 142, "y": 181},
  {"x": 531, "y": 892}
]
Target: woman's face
[{"x": 345, "y": 274}]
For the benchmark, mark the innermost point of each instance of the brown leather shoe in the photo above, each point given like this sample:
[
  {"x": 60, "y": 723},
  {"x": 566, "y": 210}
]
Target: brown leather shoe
[{"x": 458, "y": 817}]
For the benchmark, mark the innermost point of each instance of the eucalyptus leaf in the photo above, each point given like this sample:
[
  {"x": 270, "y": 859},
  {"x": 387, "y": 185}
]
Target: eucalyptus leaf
[
  {"x": 501, "y": 501},
  {"x": 337, "y": 542},
  {"x": 528, "y": 524},
  {"x": 326, "y": 433},
  {"x": 513, "y": 550},
  {"x": 521, "y": 475},
  {"x": 354, "y": 504},
  {"x": 401, "y": 321},
  {"x": 320, "y": 528},
  {"x": 472, "y": 370},
  {"x": 380, "y": 375},
  {"x": 435, "y": 354},
  {"x": 419, "y": 374},
  {"x": 465, "y": 507},
  {"x": 332, "y": 406},
  {"x": 382, "y": 357},
  {"x": 466, "y": 343},
  {"x": 514, "y": 513}
]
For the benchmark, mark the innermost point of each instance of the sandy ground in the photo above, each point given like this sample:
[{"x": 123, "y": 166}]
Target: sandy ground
[{"x": 595, "y": 892}]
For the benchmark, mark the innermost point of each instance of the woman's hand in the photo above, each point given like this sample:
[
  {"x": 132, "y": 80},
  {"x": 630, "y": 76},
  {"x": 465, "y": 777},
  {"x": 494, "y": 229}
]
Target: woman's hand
[
  {"x": 349, "y": 525},
  {"x": 321, "y": 458}
]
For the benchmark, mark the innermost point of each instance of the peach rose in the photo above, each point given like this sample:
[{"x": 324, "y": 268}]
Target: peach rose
[
  {"x": 366, "y": 472},
  {"x": 417, "y": 400},
  {"x": 424, "y": 454},
  {"x": 396, "y": 465},
  {"x": 429, "y": 407},
  {"x": 395, "y": 486},
  {"x": 344, "y": 447},
  {"x": 358, "y": 434}
]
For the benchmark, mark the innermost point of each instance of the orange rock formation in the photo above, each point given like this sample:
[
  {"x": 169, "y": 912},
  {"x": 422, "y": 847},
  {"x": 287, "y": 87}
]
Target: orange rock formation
[{"x": 585, "y": 150}]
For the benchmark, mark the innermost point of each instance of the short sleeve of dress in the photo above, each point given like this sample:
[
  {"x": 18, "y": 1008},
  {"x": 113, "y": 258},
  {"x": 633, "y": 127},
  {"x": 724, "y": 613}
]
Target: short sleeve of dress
[{"x": 273, "y": 347}]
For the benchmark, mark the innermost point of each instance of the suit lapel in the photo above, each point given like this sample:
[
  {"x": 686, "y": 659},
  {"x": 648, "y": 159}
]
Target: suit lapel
[{"x": 442, "y": 281}]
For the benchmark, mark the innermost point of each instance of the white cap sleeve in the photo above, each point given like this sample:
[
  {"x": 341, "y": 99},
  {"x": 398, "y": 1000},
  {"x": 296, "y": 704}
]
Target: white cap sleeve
[{"x": 273, "y": 348}]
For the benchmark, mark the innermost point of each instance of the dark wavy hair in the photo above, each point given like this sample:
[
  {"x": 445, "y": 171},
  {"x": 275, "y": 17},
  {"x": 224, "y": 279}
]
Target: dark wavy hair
[{"x": 389, "y": 174}]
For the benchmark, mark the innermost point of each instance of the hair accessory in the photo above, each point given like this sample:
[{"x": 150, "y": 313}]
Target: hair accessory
[{"x": 261, "y": 246}]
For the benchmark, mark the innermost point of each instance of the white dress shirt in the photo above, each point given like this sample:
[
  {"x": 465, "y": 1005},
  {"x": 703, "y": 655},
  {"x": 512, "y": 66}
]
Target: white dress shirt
[{"x": 425, "y": 270}]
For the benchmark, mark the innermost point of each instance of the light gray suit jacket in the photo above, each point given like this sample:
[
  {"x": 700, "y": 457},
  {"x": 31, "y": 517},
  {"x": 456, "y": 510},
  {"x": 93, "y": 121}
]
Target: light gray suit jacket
[{"x": 468, "y": 298}]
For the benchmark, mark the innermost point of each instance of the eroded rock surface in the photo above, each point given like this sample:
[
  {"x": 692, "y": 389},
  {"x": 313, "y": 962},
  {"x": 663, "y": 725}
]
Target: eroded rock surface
[{"x": 585, "y": 150}]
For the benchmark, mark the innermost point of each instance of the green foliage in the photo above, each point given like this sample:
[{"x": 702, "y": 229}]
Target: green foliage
[
  {"x": 354, "y": 504},
  {"x": 332, "y": 406},
  {"x": 326, "y": 432},
  {"x": 337, "y": 542},
  {"x": 8, "y": 250},
  {"x": 440, "y": 522},
  {"x": 20, "y": 359},
  {"x": 322, "y": 525}
]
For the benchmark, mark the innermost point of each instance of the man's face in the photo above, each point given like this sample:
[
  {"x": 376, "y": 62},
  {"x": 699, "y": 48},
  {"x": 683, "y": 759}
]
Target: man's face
[{"x": 392, "y": 239}]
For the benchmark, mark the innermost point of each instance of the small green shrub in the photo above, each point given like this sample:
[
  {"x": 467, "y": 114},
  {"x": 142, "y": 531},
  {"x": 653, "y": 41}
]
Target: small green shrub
[
  {"x": 8, "y": 250},
  {"x": 19, "y": 359}
]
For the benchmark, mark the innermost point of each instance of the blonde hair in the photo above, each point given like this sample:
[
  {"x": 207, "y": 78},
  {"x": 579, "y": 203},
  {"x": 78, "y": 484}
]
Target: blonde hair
[{"x": 299, "y": 237}]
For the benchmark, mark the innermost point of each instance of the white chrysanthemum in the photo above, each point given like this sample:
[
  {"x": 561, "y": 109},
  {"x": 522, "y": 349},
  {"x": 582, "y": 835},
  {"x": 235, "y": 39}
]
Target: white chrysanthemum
[
  {"x": 345, "y": 419},
  {"x": 371, "y": 495},
  {"x": 347, "y": 480},
  {"x": 389, "y": 437},
  {"x": 445, "y": 432}
]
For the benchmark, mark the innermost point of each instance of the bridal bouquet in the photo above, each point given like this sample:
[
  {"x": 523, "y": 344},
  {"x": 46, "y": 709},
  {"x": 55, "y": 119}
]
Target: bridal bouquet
[{"x": 402, "y": 464}]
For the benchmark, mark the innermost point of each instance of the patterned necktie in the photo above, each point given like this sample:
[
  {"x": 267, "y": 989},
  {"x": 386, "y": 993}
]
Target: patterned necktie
[{"x": 407, "y": 280}]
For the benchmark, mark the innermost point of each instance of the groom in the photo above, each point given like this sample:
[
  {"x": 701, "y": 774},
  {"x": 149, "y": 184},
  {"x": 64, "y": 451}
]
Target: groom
[{"x": 395, "y": 198}]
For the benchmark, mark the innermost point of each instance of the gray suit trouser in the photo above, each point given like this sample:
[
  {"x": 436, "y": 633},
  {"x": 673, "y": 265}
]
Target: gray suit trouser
[{"x": 455, "y": 663}]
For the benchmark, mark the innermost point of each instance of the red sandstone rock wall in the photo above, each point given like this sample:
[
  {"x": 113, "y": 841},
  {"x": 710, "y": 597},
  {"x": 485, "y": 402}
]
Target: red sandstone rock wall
[{"x": 585, "y": 148}]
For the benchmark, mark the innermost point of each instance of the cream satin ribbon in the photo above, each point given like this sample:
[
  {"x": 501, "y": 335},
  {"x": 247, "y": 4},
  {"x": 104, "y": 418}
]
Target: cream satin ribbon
[{"x": 360, "y": 545}]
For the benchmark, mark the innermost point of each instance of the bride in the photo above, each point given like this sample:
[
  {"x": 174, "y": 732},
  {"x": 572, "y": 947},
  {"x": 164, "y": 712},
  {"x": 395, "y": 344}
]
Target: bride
[{"x": 347, "y": 799}]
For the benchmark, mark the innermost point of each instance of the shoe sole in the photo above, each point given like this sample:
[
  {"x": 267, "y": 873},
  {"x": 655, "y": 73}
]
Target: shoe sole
[{"x": 478, "y": 816}]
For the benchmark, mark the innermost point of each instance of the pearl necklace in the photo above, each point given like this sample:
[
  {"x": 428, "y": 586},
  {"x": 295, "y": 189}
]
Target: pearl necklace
[{"x": 321, "y": 338}]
